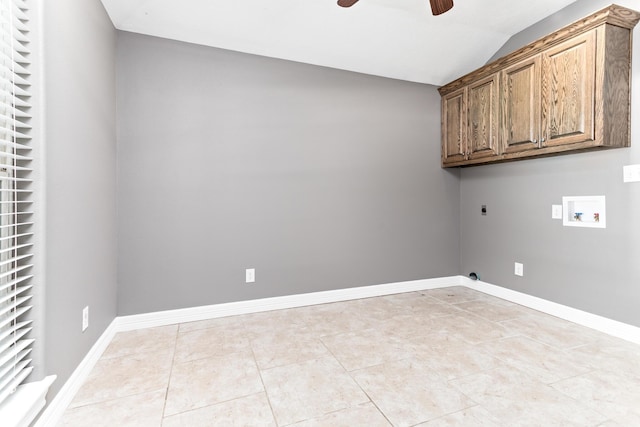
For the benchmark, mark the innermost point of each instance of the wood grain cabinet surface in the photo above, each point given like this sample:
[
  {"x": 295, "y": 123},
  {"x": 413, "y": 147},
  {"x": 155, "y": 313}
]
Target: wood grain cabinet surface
[{"x": 569, "y": 91}]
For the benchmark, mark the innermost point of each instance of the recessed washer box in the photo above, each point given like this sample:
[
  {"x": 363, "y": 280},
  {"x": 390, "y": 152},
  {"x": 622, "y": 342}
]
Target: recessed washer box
[{"x": 584, "y": 211}]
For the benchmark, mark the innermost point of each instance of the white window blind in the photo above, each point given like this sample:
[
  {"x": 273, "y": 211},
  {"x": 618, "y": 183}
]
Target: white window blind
[{"x": 16, "y": 226}]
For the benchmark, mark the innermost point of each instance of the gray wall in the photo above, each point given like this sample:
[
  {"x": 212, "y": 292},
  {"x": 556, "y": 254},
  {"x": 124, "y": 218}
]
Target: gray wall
[
  {"x": 596, "y": 270},
  {"x": 318, "y": 178},
  {"x": 79, "y": 89}
]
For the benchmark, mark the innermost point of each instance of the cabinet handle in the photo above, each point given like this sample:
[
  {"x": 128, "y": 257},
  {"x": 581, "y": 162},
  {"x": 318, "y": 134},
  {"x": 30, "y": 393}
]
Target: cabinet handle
[
  {"x": 542, "y": 139},
  {"x": 535, "y": 141}
]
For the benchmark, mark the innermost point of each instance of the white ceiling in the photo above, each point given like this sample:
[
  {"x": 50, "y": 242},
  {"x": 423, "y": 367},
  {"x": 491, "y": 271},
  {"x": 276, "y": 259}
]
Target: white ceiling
[{"x": 391, "y": 38}]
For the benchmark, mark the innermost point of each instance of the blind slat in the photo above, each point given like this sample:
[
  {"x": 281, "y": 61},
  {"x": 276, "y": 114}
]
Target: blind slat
[
  {"x": 11, "y": 307},
  {"x": 16, "y": 237},
  {"x": 17, "y": 169},
  {"x": 18, "y": 79},
  {"x": 6, "y": 118},
  {"x": 14, "y": 293},
  {"x": 14, "y": 282},
  {"x": 21, "y": 375},
  {"x": 15, "y": 315},
  {"x": 14, "y": 156},
  {"x": 13, "y": 260},
  {"x": 15, "y": 335},
  {"x": 9, "y": 372},
  {"x": 15, "y": 270},
  {"x": 14, "y": 351},
  {"x": 5, "y": 372},
  {"x": 17, "y": 326}
]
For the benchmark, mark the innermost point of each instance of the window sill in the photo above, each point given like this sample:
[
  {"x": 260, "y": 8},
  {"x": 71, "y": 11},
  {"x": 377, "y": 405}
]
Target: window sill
[{"x": 23, "y": 406}]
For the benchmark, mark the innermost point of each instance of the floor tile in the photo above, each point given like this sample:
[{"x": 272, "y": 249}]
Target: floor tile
[
  {"x": 429, "y": 307},
  {"x": 259, "y": 324},
  {"x": 311, "y": 389},
  {"x": 218, "y": 322},
  {"x": 611, "y": 354},
  {"x": 363, "y": 415},
  {"x": 286, "y": 349},
  {"x": 470, "y": 328},
  {"x": 546, "y": 363},
  {"x": 552, "y": 331},
  {"x": 615, "y": 395},
  {"x": 125, "y": 376},
  {"x": 408, "y": 393},
  {"x": 494, "y": 310},
  {"x": 455, "y": 294},
  {"x": 409, "y": 325},
  {"x": 337, "y": 318},
  {"x": 140, "y": 410},
  {"x": 475, "y": 416},
  {"x": 253, "y": 410},
  {"x": 382, "y": 308},
  {"x": 203, "y": 343},
  {"x": 357, "y": 350},
  {"x": 629, "y": 419},
  {"x": 141, "y": 341},
  {"x": 516, "y": 398},
  {"x": 213, "y": 380},
  {"x": 454, "y": 360},
  {"x": 497, "y": 381}
]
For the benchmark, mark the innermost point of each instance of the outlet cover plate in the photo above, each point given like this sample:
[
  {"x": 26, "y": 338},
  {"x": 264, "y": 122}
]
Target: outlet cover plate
[
  {"x": 518, "y": 269},
  {"x": 250, "y": 275},
  {"x": 631, "y": 173},
  {"x": 85, "y": 318}
]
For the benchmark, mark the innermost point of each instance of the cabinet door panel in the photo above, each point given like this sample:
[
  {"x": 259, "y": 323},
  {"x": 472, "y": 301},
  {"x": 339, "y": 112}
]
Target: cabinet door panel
[
  {"x": 568, "y": 90},
  {"x": 482, "y": 136},
  {"x": 521, "y": 106},
  {"x": 454, "y": 127}
]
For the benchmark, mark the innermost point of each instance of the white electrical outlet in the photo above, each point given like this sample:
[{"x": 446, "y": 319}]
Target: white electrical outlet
[
  {"x": 631, "y": 173},
  {"x": 519, "y": 269},
  {"x": 85, "y": 318},
  {"x": 556, "y": 211},
  {"x": 250, "y": 275}
]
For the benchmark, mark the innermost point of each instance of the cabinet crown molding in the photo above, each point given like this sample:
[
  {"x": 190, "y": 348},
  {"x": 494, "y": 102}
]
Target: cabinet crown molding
[{"x": 614, "y": 15}]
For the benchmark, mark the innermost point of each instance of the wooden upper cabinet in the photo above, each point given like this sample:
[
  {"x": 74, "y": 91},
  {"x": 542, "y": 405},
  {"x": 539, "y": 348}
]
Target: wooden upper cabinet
[
  {"x": 454, "y": 127},
  {"x": 482, "y": 121},
  {"x": 568, "y": 91},
  {"x": 521, "y": 105}
]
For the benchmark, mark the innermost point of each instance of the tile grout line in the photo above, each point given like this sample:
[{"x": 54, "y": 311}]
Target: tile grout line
[
  {"x": 173, "y": 358},
  {"x": 264, "y": 386}
]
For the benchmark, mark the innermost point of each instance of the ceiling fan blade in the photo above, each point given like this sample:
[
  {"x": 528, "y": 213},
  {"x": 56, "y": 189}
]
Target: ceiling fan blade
[
  {"x": 440, "y": 6},
  {"x": 347, "y": 3}
]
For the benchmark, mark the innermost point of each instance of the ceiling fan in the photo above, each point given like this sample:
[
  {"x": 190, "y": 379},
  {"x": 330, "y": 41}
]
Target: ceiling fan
[{"x": 437, "y": 6}]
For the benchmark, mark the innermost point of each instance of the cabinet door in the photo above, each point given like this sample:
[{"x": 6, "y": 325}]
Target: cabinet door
[
  {"x": 482, "y": 135},
  {"x": 454, "y": 126},
  {"x": 568, "y": 91},
  {"x": 521, "y": 106}
]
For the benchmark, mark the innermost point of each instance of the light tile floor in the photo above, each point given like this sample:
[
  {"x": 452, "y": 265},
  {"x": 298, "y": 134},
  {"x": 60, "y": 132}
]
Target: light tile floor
[{"x": 445, "y": 357}]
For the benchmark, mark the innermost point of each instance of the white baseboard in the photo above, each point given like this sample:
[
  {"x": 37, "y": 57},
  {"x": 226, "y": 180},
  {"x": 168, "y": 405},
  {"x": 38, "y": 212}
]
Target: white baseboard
[
  {"x": 599, "y": 323},
  {"x": 171, "y": 317},
  {"x": 53, "y": 413}
]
